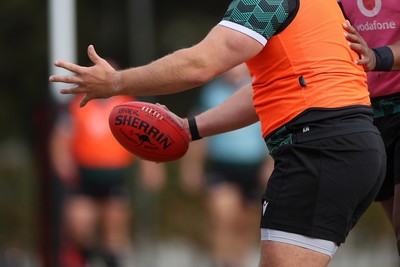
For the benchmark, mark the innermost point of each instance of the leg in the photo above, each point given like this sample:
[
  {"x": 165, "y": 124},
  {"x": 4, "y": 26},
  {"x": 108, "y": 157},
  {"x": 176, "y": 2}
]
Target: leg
[
  {"x": 233, "y": 201},
  {"x": 116, "y": 224},
  {"x": 276, "y": 254},
  {"x": 116, "y": 217},
  {"x": 225, "y": 213},
  {"x": 389, "y": 194},
  {"x": 396, "y": 202},
  {"x": 78, "y": 231},
  {"x": 250, "y": 228},
  {"x": 81, "y": 216},
  {"x": 396, "y": 215},
  {"x": 388, "y": 206}
]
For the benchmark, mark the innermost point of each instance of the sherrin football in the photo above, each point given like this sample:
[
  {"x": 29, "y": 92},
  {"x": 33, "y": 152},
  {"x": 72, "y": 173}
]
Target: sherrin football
[{"x": 148, "y": 131}]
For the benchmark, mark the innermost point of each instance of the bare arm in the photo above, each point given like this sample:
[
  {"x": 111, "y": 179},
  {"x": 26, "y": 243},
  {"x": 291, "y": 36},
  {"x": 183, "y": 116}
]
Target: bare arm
[
  {"x": 234, "y": 113},
  {"x": 219, "y": 51},
  {"x": 368, "y": 59}
]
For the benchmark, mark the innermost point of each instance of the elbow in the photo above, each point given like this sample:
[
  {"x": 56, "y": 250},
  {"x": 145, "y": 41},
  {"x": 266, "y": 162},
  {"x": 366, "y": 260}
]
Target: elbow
[
  {"x": 197, "y": 69},
  {"x": 201, "y": 76}
]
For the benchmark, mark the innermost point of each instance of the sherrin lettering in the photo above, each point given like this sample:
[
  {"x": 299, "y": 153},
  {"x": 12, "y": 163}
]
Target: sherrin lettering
[
  {"x": 145, "y": 127},
  {"x": 148, "y": 131}
]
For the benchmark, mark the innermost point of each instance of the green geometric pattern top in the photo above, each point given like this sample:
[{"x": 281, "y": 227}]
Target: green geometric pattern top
[{"x": 262, "y": 16}]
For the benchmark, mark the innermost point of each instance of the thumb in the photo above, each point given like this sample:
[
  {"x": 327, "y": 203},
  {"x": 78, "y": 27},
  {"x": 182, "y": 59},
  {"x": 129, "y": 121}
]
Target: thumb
[{"x": 93, "y": 56}]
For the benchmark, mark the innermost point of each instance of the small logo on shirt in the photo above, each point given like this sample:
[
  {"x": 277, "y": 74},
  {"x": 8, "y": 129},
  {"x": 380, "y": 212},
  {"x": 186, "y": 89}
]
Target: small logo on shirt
[
  {"x": 306, "y": 129},
  {"x": 265, "y": 205}
]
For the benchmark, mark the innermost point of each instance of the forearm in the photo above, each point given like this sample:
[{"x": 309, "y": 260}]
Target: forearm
[
  {"x": 190, "y": 67},
  {"x": 220, "y": 119},
  {"x": 396, "y": 55},
  {"x": 221, "y": 50},
  {"x": 171, "y": 74}
]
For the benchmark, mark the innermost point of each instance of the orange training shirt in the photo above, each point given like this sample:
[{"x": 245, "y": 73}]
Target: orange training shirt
[{"x": 312, "y": 48}]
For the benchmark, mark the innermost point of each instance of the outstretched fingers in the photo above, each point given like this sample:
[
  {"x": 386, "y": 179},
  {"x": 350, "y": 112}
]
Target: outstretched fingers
[
  {"x": 69, "y": 66},
  {"x": 94, "y": 81},
  {"x": 73, "y": 90},
  {"x": 65, "y": 79},
  {"x": 71, "y": 79}
]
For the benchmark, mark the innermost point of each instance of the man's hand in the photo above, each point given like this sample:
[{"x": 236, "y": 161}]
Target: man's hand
[
  {"x": 358, "y": 44},
  {"x": 98, "y": 81}
]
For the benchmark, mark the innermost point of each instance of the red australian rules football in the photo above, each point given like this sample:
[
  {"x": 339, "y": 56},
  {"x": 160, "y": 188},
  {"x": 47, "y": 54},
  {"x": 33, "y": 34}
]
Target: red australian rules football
[{"x": 148, "y": 131}]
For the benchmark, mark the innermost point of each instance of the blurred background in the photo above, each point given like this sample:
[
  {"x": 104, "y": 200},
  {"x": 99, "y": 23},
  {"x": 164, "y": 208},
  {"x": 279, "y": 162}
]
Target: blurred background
[{"x": 170, "y": 225}]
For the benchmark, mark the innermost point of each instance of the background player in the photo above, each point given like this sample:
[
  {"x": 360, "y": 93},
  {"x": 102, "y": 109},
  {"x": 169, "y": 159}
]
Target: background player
[
  {"x": 378, "y": 24},
  {"x": 93, "y": 168},
  {"x": 235, "y": 171}
]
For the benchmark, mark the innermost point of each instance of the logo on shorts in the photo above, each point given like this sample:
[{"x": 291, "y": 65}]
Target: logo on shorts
[{"x": 265, "y": 205}]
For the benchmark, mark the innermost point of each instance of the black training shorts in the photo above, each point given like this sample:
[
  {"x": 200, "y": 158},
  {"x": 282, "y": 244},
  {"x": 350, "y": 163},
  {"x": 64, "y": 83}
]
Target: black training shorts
[
  {"x": 246, "y": 177},
  {"x": 389, "y": 126},
  {"x": 320, "y": 188},
  {"x": 102, "y": 183}
]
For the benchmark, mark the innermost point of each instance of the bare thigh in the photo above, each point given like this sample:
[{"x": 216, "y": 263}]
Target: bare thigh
[{"x": 276, "y": 254}]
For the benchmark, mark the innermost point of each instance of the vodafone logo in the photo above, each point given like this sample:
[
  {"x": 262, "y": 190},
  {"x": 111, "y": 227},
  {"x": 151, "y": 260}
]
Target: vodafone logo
[{"x": 369, "y": 8}]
